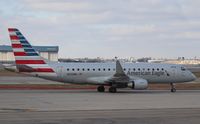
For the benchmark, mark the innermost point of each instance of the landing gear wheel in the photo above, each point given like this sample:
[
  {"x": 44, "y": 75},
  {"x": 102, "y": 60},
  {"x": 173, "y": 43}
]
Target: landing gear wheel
[
  {"x": 112, "y": 89},
  {"x": 100, "y": 88},
  {"x": 173, "y": 89}
]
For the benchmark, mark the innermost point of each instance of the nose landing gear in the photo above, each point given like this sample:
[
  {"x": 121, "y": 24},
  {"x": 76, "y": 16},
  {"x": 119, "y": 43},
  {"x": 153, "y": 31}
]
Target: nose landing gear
[{"x": 173, "y": 89}]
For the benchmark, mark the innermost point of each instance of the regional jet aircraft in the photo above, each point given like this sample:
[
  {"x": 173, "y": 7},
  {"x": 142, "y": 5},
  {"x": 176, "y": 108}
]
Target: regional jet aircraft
[{"x": 115, "y": 74}]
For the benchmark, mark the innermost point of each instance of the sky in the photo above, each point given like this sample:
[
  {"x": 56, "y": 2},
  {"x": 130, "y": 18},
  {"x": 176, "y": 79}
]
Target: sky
[{"x": 107, "y": 28}]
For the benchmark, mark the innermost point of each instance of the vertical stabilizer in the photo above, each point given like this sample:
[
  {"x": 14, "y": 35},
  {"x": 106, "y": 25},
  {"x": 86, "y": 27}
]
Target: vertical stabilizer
[{"x": 26, "y": 57}]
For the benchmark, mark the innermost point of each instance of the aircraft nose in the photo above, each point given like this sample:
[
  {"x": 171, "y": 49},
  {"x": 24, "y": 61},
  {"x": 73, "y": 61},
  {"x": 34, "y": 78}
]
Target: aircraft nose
[{"x": 192, "y": 77}]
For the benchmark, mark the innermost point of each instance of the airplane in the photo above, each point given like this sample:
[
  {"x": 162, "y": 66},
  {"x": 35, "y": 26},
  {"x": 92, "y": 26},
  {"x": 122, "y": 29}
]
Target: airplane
[{"x": 113, "y": 74}]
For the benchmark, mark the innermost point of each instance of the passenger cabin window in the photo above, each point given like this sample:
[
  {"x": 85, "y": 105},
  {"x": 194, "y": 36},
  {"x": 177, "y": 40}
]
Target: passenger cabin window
[
  {"x": 83, "y": 69},
  {"x": 72, "y": 69},
  {"x": 99, "y": 69},
  {"x": 78, "y": 69},
  {"x": 109, "y": 69},
  {"x": 68, "y": 69},
  {"x": 93, "y": 69},
  {"x": 88, "y": 69},
  {"x": 104, "y": 69}
]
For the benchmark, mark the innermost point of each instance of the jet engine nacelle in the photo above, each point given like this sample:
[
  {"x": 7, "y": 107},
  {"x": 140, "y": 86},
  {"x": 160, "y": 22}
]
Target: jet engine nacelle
[{"x": 138, "y": 84}]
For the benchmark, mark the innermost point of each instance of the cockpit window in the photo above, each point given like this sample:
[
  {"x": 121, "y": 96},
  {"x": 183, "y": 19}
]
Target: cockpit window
[{"x": 183, "y": 68}]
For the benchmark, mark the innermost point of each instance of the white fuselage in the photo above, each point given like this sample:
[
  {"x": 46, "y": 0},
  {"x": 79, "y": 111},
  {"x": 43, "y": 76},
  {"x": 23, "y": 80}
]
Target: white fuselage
[
  {"x": 116, "y": 74},
  {"x": 97, "y": 73}
]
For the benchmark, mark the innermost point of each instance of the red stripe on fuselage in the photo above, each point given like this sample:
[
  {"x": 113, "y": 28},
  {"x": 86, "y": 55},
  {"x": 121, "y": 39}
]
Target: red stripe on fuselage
[
  {"x": 36, "y": 70},
  {"x": 19, "y": 53},
  {"x": 30, "y": 62},
  {"x": 43, "y": 70},
  {"x": 16, "y": 46},
  {"x": 14, "y": 37}
]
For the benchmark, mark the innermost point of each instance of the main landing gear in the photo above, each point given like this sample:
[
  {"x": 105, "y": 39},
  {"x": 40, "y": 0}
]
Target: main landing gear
[
  {"x": 101, "y": 88},
  {"x": 112, "y": 89},
  {"x": 173, "y": 89}
]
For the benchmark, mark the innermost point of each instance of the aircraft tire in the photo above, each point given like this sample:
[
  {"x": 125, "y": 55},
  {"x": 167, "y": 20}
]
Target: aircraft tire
[
  {"x": 173, "y": 90},
  {"x": 112, "y": 89},
  {"x": 101, "y": 88}
]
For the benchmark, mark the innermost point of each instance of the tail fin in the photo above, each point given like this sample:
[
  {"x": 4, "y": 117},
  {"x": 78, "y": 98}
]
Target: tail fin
[{"x": 26, "y": 58}]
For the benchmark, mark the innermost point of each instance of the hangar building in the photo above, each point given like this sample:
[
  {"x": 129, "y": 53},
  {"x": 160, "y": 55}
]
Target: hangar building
[{"x": 48, "y": 52}]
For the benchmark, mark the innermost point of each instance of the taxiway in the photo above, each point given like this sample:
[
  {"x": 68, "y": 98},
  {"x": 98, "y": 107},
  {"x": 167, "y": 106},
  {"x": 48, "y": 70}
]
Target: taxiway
[{"x": 89, "y": 106}]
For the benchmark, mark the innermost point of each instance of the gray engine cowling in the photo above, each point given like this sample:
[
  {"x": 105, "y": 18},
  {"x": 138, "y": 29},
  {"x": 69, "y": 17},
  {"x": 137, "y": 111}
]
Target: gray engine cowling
[{"x": 138, "y": 84}]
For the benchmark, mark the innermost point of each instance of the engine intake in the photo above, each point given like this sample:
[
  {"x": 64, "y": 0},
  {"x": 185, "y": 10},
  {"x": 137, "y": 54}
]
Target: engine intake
[{"x": 138, "y": 84}]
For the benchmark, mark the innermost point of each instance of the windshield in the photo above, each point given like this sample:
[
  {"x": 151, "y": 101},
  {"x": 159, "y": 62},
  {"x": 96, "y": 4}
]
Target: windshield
[{"x": 183, "y": 68}]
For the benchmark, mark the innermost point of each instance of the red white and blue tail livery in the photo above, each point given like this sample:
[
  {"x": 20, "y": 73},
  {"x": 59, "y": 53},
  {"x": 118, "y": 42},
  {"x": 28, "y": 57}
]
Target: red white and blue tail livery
[
  {"x": 26, "y": 57},
  {"x": 114, "y": 74}
]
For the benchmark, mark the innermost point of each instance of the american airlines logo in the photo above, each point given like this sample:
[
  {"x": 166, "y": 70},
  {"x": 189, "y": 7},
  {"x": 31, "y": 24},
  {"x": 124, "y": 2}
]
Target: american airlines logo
[{"x": 144, "y": 73}]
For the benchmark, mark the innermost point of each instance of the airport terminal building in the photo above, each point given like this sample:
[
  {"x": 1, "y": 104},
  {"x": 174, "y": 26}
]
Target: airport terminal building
[{"x": 48, "y": 52}]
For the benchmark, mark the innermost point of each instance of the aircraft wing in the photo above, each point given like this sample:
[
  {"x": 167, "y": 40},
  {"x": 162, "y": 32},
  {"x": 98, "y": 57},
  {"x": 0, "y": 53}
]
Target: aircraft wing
[
  {"x": 119, "y": 79},
  {"x": 119, "y": 75}
]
